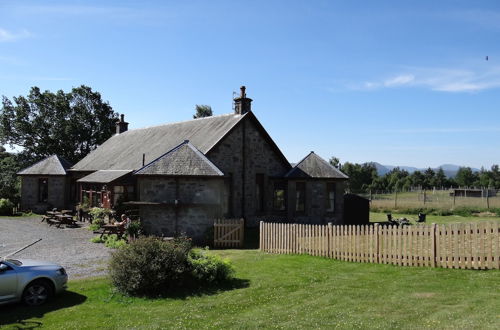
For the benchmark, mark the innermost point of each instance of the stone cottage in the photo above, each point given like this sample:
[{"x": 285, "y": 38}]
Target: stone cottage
[
  {"x": 181, "y": 176},
  {"x": 45, "y": 185}
]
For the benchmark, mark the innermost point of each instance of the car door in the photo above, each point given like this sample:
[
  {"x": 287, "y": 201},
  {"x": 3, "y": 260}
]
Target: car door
[{"x": 8, "y": 282}]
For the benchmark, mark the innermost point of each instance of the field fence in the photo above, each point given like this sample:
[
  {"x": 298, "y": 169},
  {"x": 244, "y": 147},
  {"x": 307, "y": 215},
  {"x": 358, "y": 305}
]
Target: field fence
[
  {"x": 434, "y": 198},
  {"x": 464, "y": 246}
]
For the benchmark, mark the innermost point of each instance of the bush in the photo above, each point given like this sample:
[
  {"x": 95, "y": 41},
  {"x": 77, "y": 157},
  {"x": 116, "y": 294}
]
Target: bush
[
  {"x": 149, "y": 267},
  {"x": 134, "y": 229},
  {"x": 94, "y": 226},
  {"x": 113, "y": 242},
  {"x": 6, "y": 206},
  {"x": 99, "y": 214},
  {"x": 153, "y": 267},
  {"x": 98, "y": 239},
  {"x": 208, "y": 269}
]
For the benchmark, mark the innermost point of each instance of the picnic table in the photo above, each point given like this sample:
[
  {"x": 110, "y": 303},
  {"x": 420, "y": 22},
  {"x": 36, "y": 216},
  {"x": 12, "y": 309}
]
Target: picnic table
[
  {"x": 112, "y": 229},
  {"x": 59, "y": 218},
  {"x": 65, "y": 219}
]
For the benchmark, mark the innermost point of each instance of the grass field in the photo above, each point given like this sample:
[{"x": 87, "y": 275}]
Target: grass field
[
  {"x": 438, "y": 219},
  {"x": 439, "y": 199},
  {"x": 286, "y": 291}
]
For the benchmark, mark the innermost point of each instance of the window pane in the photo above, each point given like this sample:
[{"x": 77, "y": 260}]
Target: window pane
[
  {"x": 279, "y": 196},
  {"x": 43, "y": 189},
  {"x": 259, "y": 192},
  {"x": 330, "y": 197},
  {"x": 300, "y": 196}
]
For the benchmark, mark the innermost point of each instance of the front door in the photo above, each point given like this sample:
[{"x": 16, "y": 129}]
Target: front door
[{"x": 8, "y": 282}]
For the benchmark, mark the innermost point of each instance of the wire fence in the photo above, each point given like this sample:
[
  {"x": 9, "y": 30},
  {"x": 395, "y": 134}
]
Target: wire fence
[{"x": 435, "y": 198}]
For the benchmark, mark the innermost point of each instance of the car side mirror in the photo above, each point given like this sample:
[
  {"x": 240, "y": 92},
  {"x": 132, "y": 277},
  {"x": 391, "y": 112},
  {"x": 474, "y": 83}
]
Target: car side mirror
[{"x": 3, "y": 267}]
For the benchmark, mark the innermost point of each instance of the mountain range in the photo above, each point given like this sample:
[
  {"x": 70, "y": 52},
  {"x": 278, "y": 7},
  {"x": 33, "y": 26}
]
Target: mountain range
[{"x": 450, "y": 170}]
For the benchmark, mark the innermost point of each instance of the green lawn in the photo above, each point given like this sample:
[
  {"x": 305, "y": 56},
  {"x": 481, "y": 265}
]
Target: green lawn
[
  {"x": 438, "y": 219},
  {"x": 281, "y": 291}
]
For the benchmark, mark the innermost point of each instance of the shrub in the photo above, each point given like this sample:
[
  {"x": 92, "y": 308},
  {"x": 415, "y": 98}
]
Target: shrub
[
  {"x": 6, "y": 206},
  {"x": 95, "y": 226},
  {"x": 113, "y": 242},
  {"x": 153, "y": 267},
  {"x": 134, "y": 229},
  {"x": 99, "y": 214},
  {"x": 98, "y": 239},
  {"x": 149, "y": 267},
  {"x": 208, "y": 269}
]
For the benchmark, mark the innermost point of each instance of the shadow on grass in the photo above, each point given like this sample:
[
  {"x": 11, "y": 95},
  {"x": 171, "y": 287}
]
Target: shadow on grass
[
  {"x": 18, "y": 315},
  {"x": 184, "y": 293}
]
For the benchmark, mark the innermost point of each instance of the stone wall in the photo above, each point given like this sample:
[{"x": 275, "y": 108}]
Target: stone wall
[
  {"x": 199, "y": 202},
  {"x": 315, "y": 202},
  {"x": 57, "y": 193},
  {"x": 243, "y": 154}
]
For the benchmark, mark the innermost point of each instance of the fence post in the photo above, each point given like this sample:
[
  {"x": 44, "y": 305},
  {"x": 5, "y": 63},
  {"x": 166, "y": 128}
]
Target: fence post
[
  {"x": 329, "y": 234},
  {"x": 396, "y": 200},
  {"x": 242, "y": 232},
  {"x": 261, "y": 233},
  {"x": 434, "y": 256},
  {"x": 377, "y": 257}
]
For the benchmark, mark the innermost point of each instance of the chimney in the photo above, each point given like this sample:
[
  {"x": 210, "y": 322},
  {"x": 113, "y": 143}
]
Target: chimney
[
  {"x": 242, "y": 104},
  {"x": 121, "y": 125}
]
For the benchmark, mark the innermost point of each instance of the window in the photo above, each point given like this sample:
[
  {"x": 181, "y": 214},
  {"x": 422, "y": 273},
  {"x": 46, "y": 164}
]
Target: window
[
  {"x": 279, "y": 196},
  {"x": 330, "y": 197},
  {"x": 259, "y": 192},
  {"x": 300, "y": 197},
  {"x": 43, "y": 190},
  {"x": 123, "y": 193}
]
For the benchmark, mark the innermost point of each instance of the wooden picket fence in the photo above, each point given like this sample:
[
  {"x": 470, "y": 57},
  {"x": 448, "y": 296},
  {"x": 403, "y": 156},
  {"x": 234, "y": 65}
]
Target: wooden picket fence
[
  {"x": 461, "y": 245},
  {"x": 229, "y": 233}
]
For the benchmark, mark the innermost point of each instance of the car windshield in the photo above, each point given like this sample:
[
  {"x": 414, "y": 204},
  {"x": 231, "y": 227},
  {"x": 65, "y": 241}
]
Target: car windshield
[{"x": 15, "y": 262}]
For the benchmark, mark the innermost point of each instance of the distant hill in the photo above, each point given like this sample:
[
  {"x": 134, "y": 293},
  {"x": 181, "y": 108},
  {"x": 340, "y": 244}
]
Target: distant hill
[{"x": 450, "y": 170}]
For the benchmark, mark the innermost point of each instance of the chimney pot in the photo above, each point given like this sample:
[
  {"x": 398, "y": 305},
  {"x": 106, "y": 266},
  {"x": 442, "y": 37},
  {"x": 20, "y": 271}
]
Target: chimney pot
[
  {"x": 121, "y": 125},
  {"x": 242, "y": 104}
]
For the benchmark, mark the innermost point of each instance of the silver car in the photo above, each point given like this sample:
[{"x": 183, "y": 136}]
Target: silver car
[{"x": 32, "y": 282}]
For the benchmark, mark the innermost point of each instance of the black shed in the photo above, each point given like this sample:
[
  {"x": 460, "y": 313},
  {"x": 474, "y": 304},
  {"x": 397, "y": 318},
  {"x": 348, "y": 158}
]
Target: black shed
[{"x": 356, "y": 210}]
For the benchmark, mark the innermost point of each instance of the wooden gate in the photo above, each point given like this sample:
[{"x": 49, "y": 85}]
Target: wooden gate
[{"x": 229, "y": 232}]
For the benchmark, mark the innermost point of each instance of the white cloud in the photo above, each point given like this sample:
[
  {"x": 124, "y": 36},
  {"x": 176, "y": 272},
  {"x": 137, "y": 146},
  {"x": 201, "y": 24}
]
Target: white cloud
[
  {"x": 440, "y": 79},
  {"x": 400, "y": 80},
  {"x": 34, "y": 78},
  {"x": 6, "y": 35},
  {"x": 446, "y": 130}
]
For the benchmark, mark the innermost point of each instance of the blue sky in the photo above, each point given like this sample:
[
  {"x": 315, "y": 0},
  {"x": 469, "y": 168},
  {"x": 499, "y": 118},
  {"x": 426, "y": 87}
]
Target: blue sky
[{"x": 397, "y": 82}]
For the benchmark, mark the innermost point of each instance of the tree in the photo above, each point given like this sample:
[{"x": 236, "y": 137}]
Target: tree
[
  {"x": 361, "y": 176},
  {"x": 465, "y": 177},
  {"x": 335, "y": 162},
  {"x": 9, "y": 182},
  {"x": 440, "y": 179},
  {"x": 202, "y": 111},
  {"x": 67, "y": 124},
  {"x": 429, "y": 178}
]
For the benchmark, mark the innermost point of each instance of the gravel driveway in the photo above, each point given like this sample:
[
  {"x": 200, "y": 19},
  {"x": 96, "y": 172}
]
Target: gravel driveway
[{"x": 70, "y": 247}]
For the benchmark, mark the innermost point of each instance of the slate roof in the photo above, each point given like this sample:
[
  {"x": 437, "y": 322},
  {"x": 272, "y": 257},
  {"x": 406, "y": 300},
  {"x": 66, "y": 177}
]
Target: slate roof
[
  {"x": 104, "y": 176},
  {"x": 52, "y": 165},
  {"x": 313, "y": 166},
  {"x": 124, "y": 151},
  {"x": 182, "y": 160}
]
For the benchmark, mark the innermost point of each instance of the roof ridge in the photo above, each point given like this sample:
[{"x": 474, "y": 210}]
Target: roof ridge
[
  {"x": 41, "y": 161},
  {"x": 179, "y": 122},
  {"x": 298, "y": 163},
  {"x": 202, "y": 155},
  {"x": 161, "y": 156},
  {"x": 190, "y": 146}
]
